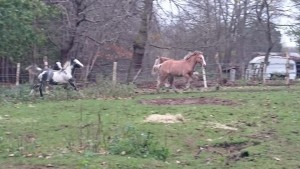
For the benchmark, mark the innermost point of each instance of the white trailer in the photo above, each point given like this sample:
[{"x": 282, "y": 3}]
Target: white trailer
[{"x": 276, "y": 67}]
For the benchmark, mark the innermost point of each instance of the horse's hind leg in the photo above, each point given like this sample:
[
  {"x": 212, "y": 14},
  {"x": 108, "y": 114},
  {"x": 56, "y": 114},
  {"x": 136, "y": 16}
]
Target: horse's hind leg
[
  {"x": 34, "y": 88},
  {"x": 168, "y": 84},
  {"x": 158, "y": 84},
  {"x": 160, "y": 81},
  {"x": 171, "y": 81},
  {"x": 41, "y": 88}
]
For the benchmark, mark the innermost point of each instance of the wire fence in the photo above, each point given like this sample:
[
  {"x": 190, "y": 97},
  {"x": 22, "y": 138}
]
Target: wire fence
[{"x": 14, "y": 75}]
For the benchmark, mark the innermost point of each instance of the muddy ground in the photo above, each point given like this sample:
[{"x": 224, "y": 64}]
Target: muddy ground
[{"x": 188, "y": 101}]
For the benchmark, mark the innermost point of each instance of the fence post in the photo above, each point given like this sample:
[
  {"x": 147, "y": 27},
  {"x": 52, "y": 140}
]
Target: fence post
[
  {"x": 287, "y": 66},
  {"x": 46, "y": 67},
  {"x": 247, "y": 74},
  {"x": 114, "y": 78},
  {"x": 18, "y": 74},
  {"x": 232, "y": 74},
  {"x": 219, "y": 67},
  {"x": 204, "y": 77},
  {"x": 45, "y": 62}
]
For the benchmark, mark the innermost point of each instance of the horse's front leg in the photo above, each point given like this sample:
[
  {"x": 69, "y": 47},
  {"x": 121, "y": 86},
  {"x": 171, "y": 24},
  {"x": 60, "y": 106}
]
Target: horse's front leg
[
  {"x": 189, "y": 79},
  {"x": 71, "y": 82},
  {"x": 42, "y": 83}
]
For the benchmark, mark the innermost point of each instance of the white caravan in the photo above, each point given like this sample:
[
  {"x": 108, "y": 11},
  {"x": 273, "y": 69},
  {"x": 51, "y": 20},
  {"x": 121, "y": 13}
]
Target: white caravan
[{"x": 275, "y": 68}]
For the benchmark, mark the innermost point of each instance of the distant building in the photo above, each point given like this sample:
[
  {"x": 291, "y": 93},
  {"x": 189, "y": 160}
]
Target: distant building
[{"x": 276, "y": 67}]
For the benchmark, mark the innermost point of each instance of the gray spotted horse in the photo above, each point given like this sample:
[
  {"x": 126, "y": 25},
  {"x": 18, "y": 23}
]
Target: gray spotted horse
[{"x": 58, "y": 76}]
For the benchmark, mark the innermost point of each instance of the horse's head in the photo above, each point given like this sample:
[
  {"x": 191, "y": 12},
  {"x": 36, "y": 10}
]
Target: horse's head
[
  {"x": 199, "y": 57},
  {"x": 76, "y": 63}
]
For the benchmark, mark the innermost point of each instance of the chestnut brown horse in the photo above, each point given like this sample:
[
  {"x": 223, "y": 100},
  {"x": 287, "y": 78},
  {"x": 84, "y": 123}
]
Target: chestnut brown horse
[{"x": 181, "y": 68}]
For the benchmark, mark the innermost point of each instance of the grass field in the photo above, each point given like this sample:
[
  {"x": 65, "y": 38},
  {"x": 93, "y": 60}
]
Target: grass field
[{"x": 260, "y": 130}]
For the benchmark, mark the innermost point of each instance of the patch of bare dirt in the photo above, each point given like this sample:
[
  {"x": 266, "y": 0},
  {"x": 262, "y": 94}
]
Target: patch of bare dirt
[
  {"x": 231, "y": 151},
  {"x": 188, "y": 101}
]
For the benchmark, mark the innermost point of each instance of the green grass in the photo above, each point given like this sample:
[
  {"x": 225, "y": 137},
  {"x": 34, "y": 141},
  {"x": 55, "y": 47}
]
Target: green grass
[{"x": 79, "y": 133}]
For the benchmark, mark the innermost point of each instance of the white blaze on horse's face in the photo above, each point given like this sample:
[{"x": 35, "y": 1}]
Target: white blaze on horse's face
[
  {"x": 201, "y": 58},
  {"x": 78, "y": 63}
]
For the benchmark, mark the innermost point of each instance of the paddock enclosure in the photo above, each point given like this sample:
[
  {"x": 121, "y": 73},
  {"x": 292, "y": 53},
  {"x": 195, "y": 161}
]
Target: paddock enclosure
[
  {"x": 118, "y": 72},
  {"x": 233, "y": 122},
  {"x": 233, "y": 127}
]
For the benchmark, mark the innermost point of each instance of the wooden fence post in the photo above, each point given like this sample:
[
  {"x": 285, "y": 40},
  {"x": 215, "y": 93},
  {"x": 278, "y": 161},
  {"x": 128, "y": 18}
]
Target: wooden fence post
[
  {"x": 18, "y": 74},
  {"x": 232, "y": 75},
  {"x": 247, "y": 74},
  {"x": 287, "y": 66},
  {"x": 114, "y": 77},
  {"x": 45, "y": 62},
  {"x": 204, "y": 77},
  {"x": 46, "y": 67},
  {"x": 219, "y": 67}
]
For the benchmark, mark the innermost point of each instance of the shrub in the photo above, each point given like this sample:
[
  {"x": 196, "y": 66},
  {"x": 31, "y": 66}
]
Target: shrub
[
  {"x": 137, "y": 144},
  {"x": 106, "y": 88},
  {"x": 15, "y": 94}
]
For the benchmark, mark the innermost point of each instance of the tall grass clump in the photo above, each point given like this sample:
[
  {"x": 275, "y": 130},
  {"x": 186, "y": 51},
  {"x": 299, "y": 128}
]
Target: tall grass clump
[
  {"x": 105, "y": 88},
  {"x": 134, "y": 143},
  {"x": 100, "y": 89},
  {"x": 14, "y": 94}
]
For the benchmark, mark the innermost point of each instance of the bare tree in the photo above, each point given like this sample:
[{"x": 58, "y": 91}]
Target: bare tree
[
  {"x": 86, "y": 27},
  {"x": 140, "y": 41},
  {"x": 266, "y": 11},
  {"x": 230, "y": 28}
]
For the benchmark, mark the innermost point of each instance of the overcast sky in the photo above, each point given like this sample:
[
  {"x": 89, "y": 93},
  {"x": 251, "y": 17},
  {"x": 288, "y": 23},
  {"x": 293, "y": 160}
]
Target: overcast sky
[{"x": 286, "y": 39}]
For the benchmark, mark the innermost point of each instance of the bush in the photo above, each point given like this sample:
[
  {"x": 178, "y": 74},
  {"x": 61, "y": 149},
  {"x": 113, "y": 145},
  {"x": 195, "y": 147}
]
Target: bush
[
  {"x": 99, "y": 90},
  {"x": 107, "y": 89},
  {"x": 137, "y": 144},
  {"x": 15, "y": 94}
]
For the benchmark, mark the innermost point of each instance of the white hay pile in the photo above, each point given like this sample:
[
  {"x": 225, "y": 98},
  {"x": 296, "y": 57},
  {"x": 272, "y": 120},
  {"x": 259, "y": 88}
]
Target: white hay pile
[{"x": 167, "y": 118}]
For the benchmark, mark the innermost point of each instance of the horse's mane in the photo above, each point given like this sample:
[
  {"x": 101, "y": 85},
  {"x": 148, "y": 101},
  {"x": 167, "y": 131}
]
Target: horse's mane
[
  {"x": 187, "y": 56},
  {"x": 190, "y": 54}
]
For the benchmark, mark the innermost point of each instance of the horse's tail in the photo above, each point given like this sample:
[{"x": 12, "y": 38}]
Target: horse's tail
[{"x": 155, "y": 66}]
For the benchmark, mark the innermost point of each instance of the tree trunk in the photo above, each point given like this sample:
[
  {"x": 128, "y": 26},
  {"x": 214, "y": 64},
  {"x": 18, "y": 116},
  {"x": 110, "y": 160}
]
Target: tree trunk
[
  {"x": 269, "y": 40},
  {"x": 140, "y": 41}
]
